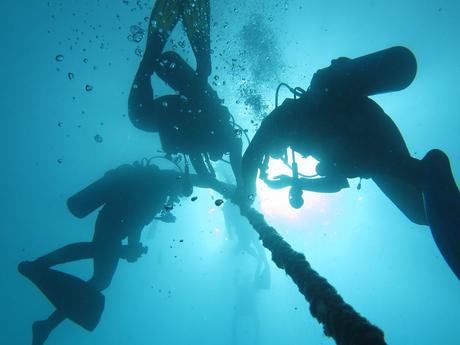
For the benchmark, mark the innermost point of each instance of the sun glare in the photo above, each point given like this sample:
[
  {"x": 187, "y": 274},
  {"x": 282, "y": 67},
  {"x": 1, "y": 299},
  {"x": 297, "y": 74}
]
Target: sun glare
[{"x": 275, "y": 202}]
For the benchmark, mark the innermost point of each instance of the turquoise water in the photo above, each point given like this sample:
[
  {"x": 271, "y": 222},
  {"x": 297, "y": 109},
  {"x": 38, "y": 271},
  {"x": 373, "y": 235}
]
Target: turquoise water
[{"x": 65, "y": 123}]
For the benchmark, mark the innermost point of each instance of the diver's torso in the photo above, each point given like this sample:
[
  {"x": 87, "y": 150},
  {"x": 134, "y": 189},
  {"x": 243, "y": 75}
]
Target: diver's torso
[
  {"x": 137, "y": 201},
  {"x": 345, "y": 134}
]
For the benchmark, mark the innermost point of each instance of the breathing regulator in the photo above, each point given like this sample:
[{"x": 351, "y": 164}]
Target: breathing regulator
[{"x": 295, "y": 192}]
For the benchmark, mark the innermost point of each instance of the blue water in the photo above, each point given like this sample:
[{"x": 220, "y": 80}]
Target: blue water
[{"x": 57, "y": 137}]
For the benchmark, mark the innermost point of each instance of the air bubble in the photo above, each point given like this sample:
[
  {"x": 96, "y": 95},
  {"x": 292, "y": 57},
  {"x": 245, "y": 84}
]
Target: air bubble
[{"x": 98, "y": 138}]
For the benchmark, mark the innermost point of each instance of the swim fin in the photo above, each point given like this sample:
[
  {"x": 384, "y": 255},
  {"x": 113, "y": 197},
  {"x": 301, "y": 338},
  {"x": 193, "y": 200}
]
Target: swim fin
[
  {"x": 75, "y": 298},
  {"x": 442, "y": 205}
]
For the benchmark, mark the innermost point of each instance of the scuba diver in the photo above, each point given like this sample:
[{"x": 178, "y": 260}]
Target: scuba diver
[
  {"x": 238, "y": 228},
  {"x": 245, "y": 318},
  {"x": 193, "y": 122},
  {"x": 131, "y": 197},
  {"x": 195, "y": 15},
  {"x": 337, "y": 123}
]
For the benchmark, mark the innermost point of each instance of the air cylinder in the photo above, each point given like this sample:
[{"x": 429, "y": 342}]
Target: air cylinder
[{"x": 388, "y": 70}]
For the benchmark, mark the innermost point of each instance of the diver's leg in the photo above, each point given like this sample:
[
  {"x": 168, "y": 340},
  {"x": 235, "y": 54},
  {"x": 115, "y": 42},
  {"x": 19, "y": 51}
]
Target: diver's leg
[
  {"x": 105, "y": 264},
  {"x": 42, "y": 329},
  {"x": 405, "y": 196},
  {"x": 145, "y": 112},
  {"x": 196, "y": 19},
  {"x": 142, "y": 107},
  {"x": 71, "y": 252},
  {"x": 383, "y": 155},
  {"x": 398, "y": 176}
]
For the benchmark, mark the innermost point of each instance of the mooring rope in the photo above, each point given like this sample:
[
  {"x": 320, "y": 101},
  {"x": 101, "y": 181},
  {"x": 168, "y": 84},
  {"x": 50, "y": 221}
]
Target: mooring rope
[{"x": 340, "y": 321}]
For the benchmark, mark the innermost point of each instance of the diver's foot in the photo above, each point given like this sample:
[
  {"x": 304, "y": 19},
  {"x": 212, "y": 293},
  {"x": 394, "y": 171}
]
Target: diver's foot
[
  {"x": 25, "y": 267},
  {"x": 40, "y": 332}
]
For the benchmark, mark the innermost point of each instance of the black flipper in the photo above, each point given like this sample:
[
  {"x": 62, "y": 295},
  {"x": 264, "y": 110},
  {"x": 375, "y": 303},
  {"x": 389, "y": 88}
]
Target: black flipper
[
  {"x": 442, "y": 204},
  {"x": 75, "y": 298}
]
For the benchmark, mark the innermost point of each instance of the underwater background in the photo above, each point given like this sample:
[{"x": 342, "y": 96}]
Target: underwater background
[{"x": 66, "y": 71}]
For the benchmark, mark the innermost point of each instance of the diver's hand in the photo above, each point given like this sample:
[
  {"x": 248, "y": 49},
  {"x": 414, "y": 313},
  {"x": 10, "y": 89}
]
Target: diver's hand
[
  {"x": 279, "y": 182},
  {"x": 244, "y": 197},
  {"x": 132, "y": 252},
  {"x": 168, "y": 218}
]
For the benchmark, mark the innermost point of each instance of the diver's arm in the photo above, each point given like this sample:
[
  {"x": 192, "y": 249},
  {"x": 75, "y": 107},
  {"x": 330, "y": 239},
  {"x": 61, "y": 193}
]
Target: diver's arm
[{"x": 330, "y": 184}]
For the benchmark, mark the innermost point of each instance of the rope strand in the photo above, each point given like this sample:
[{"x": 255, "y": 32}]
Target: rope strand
[{"x": 340, "y": 321}]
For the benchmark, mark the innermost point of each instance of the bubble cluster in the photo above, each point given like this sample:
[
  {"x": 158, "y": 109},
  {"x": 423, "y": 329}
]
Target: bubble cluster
[
  {"x": 98, "y": 138},
  {"x": 136, "y": 34}
]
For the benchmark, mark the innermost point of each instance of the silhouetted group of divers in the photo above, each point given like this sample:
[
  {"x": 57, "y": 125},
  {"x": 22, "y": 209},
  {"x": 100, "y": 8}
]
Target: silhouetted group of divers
[{"x": 334, "y": 121}]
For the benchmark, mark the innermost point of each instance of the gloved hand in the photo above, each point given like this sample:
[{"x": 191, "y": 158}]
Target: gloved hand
[
  {"x": 278, "y": 182},
  {"x": 167, "y": 217},
  {"x": 243, "y": 197},
  {"x": 132, "y": 252}
]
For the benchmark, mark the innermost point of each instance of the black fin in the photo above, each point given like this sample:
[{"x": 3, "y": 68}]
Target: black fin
[{"x": 74, "y": 297}]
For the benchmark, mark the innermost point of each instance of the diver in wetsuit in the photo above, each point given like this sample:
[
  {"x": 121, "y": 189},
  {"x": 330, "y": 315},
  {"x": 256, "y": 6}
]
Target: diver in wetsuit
[
  {"x": 132, "y": 196},
  {"x": 245, "y": 317},
  {"x": 194, "y": 122},
  {"x": 335, "y": 122}
]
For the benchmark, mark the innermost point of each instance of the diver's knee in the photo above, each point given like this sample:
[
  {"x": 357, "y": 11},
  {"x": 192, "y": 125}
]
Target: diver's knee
[
  {"x": 100, "y": 283},
  {"x": 135, "y": 117},
  {"x": 436, "y": 154},
  {"x": 170, "y": 56},
  {"x": 418, "y": 218},
  {"x": 435, "y": 158}
]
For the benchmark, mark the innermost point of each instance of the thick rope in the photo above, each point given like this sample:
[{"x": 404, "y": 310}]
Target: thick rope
[{"x": 340, "y": 321}]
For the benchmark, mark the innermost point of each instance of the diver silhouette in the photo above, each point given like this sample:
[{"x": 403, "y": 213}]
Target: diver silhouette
[
  {"x": 131, "y": 197},
  {"x": 337, "y": 123},
  {"x": 195, "y": 15},
  {"x": 245, "y": 316},
  {"x": 239, "y": 229},
  {"x": 194, "y": 122}
]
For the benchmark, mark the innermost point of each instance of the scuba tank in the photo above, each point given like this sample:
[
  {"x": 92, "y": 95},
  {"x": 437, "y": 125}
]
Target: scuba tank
[
  {"x": 388, "y": 70},
  {"x": 89, "y": 199},
  {"x": 97, "y": 193}
]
